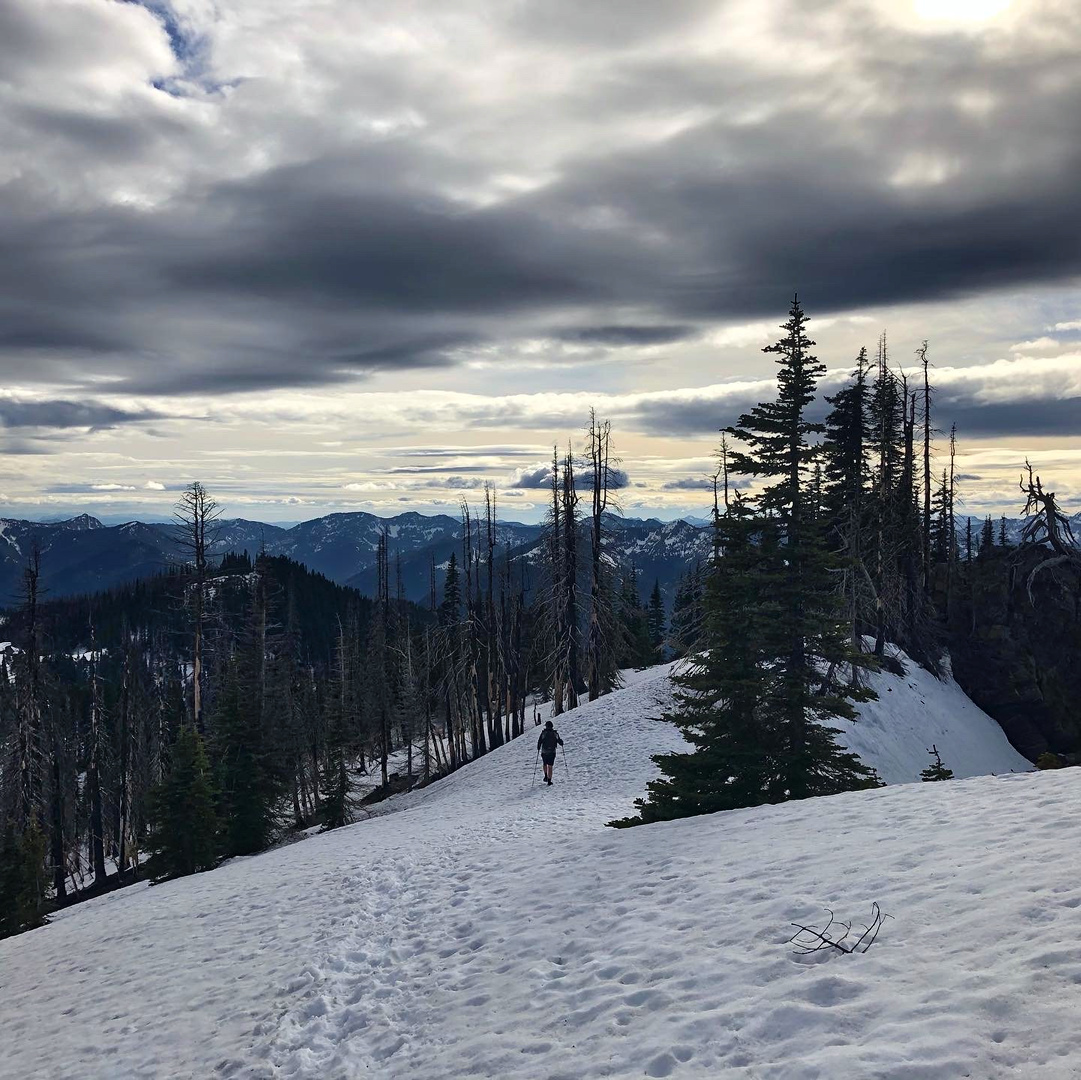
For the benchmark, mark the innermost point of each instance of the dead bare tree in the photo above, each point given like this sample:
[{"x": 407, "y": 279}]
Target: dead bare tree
[
  {"x": 809, "y": 939},
  {"x": 921, "y": 352},
  {"x": 29, "y": 709},
  {"x": 572, "y": 633},
  {"x": 599, "y": 664},
  {"x": 554, "y": 608},
  {"x": 1047, "y": 527},
  {"x": 196, "y": 515},
  {"x": 95, "y": 768}
]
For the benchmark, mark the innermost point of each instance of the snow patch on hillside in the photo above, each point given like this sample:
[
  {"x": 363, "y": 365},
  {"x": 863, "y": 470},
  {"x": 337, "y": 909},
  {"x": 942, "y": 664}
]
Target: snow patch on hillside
[
  {"x": 484, "y": 927},
  {"x": 916, "y": 711}
]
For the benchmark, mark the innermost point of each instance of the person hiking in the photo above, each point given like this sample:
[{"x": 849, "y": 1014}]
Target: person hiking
[{"x": 546, "y": 744}]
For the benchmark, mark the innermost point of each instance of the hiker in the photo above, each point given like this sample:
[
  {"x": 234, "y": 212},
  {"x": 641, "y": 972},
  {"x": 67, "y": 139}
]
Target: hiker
[{"x": 546, "y": 744}]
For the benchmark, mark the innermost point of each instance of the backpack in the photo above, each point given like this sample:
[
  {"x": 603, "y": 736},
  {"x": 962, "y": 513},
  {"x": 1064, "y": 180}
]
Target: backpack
[{"x": 549, "y": 738}]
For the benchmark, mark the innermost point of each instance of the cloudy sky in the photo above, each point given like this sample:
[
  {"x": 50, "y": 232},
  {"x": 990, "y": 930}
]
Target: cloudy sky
[{"x": 339, "y": 254}]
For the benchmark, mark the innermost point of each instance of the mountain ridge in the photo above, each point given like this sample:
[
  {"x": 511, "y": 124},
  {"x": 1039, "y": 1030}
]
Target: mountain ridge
[{"x": 81, "y": 554}]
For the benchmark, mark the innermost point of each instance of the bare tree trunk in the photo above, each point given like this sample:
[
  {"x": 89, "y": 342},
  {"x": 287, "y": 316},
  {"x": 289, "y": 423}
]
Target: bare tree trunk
[
  {"x": 951, "y": 536},
  {"x": 60, "y": 872},
  {"x": 600, "y": 435},
  {"x": 428, "y": 736},
  {"x": 196, "y": 514},
  {"x": 921, "y": 352},
  {"x": 557, "y": 570},
  {"x": 492, "y": 654},
  {"x": 29, "y": 706},
  {"x": 570, "y": 581},
  {"x": 382, "y": 660},
  {"x": 125, "y": 843},
  {"x": 94, "y": 763},
  {"x": 884, "y": 497}
]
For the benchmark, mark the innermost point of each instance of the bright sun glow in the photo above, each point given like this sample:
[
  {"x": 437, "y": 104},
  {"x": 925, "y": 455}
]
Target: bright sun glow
[{"x": 959, "y": 11}]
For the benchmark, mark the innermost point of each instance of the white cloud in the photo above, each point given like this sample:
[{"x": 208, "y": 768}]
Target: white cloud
[
  {"x": 1024, "y": 378},
  {"x": 1040, "y": 344},
  {"x": 153, "y": 485}
]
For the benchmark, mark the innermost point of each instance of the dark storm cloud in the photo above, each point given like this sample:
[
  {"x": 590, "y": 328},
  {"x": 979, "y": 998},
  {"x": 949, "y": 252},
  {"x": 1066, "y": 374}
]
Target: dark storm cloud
[
  {"x": 688, "y": 483},
  {"x": 541, "y": 477},
  {"x": 374, "y": 249},
  {"x": 628, "y": 335},
  {"x": 465, "y": 451},
  {"x": 364, "y": 257},
  {"x": 423, "y": 470},
  {"x": 85, "y": 489},
  {"x": 692, "y": 414},
  {"x": 701, "y": 483},
  {"x": 1045, "y": 417},
  {"x": 22, "y": 448},
  {"x": 457, "y": 483},
  {"x": 68, "y": 414},
  {"x": 533, "y": 479}
]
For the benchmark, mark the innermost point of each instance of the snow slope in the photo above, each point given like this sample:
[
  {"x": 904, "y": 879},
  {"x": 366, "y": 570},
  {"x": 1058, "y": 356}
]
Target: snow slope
[
  {"x": 484, "y": 928},
  {"x": 914, "y": 712}
]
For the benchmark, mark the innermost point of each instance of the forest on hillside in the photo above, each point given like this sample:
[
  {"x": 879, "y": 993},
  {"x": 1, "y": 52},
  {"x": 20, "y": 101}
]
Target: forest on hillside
[{"x": 211, "y": 710}]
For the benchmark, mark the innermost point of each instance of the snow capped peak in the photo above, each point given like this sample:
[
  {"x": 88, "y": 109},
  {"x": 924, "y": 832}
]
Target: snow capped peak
[{"x": 80, "y": 523}]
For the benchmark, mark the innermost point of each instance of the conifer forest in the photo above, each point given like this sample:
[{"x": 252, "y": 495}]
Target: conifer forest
[{"x": 221, "y": 705}]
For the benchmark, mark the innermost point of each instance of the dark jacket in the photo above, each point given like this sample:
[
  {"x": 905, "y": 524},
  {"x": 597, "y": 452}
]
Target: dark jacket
[{"x": 549, "y": 740}]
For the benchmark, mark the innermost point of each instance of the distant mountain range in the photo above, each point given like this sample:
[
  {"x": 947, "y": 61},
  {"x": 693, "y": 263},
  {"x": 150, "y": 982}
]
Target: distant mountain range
[{"x": 82, "y": 555}]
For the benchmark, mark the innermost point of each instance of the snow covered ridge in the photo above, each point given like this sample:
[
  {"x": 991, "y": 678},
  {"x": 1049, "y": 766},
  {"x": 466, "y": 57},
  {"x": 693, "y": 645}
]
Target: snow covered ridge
[
  {"x": 486, "y": 928},
  {"x": 915, "y": 711}
]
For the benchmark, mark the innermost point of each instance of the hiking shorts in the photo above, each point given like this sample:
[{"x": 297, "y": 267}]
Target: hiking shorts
[{"x": 548, "y": 757}]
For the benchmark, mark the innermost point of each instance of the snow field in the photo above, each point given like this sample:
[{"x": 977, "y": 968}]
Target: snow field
[
  {"x": 915, "y": 711},
  {"x": 483, "y": 928}
]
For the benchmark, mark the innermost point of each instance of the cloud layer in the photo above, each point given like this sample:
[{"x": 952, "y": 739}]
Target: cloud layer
[{"x": 229, "y": 214}]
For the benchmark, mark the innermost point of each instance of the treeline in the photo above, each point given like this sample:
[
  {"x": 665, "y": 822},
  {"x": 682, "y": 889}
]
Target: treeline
[
  {"x": 97, "y": 723},
  {"x": 849, "y": 542},
  {"x": 159, "y": 727}
]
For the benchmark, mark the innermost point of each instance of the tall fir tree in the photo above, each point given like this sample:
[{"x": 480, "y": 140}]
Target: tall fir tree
[
  {"x": 251, "y": 772},
  {"x": 720, "y": 697},
  {"x": 183, "y": 819},
  {"x": 807, "y": 642},
  {"x": 845, "y": 498},
  {"x": 656, "y": 622},
  {"x": 22, "y": 873}
]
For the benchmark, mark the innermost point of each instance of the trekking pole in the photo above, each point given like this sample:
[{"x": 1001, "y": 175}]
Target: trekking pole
[
  {"x": 534, "y": 780},
  {"x": 565, "y": 765}
]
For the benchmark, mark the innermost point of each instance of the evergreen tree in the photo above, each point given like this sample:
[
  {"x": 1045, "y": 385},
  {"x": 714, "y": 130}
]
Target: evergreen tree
[
  {"x": 846, "y": 493},
  {"x": 936, "y": 770},
  {"x": 942, "y": 513},
  {"x": 335, "y": 776},
  {"x": 721, "y": 695},
  {"x": 656, "y": 622},
  {"x": 251, "y": 772},
  {"x": 686, "y": 625},
  {"x": 601, "y": 674},
  {"x": 22, "y": 873},
  {"x": 183, "y": 820},
  {"x": 844, "y": 452},
  {"x": 635, "y": 650},
  {"x": 1003, "y": 537},
  {"x": 888, "y": 444},
  {"x": 987, "y": 537},
  {"x": 808, "y": 635}
]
